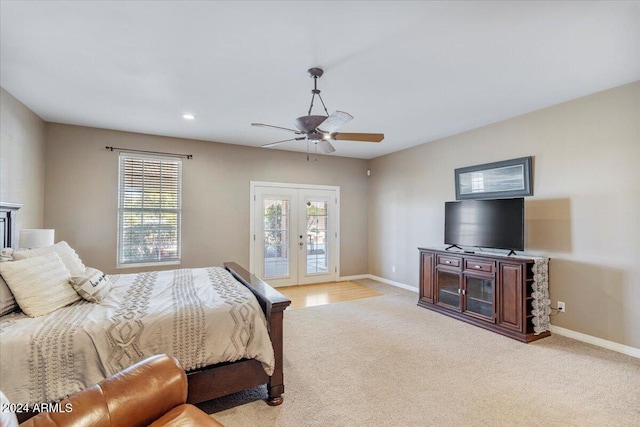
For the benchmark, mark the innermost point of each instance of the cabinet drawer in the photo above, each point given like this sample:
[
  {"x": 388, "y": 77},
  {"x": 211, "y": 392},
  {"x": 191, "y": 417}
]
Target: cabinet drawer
[
  {"x": 449, "y": 261},
  {"x": 475, "y": 265}
]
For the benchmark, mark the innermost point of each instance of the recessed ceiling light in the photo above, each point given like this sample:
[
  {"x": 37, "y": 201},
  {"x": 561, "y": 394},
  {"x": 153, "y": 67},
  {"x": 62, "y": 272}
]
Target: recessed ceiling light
[{"x": 188, "y": 116}]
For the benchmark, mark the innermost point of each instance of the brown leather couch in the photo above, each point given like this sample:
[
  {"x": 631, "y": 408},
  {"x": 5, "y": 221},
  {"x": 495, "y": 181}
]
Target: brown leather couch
[{"x": 152, "y": 392}]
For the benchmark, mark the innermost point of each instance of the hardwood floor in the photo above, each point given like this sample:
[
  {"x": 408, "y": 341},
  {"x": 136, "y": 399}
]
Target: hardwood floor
[{"x": 326, "y": 293}]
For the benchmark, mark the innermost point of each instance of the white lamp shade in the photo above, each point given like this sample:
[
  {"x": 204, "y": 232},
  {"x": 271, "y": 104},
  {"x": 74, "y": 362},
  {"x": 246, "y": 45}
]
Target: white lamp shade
[{"x": 36, "y": 238}]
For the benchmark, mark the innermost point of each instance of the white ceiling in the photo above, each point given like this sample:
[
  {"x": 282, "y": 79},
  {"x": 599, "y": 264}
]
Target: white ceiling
[{"x": 416, "y": 71}]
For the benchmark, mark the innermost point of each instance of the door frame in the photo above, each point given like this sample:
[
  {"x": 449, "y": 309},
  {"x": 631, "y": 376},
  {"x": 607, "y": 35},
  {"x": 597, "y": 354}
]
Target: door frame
[{"x": 253, "y": 212}]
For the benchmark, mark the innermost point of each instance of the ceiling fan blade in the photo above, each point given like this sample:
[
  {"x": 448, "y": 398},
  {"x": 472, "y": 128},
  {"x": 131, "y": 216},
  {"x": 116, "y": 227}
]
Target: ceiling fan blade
[
  {"x": 325, "y": 146},
  {"x": 271, "y": 144},
  {"x": 363, "y": 137},
  {"x": 276, "y": 127},
  {"x": 335, "y": 121}
]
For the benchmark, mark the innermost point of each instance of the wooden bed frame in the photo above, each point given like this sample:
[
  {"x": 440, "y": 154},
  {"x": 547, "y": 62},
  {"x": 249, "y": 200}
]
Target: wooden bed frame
[
  {"x": 226, "y": 378},
  {"x": 221, "y": 379}
]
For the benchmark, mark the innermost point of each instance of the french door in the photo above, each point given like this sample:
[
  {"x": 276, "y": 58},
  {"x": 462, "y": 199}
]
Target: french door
[{"x": 294, "y": 233}]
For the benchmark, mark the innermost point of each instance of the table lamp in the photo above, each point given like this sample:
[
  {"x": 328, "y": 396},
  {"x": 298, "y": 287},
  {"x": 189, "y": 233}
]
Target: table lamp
[{"x": 36, "y": 238}]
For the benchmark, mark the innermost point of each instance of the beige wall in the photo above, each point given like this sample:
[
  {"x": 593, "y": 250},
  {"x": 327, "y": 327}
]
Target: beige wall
[
  {"x": 81, "y": 194},
  {"x": 585, "y": 212},
  {"x": 22, "y": 153}
]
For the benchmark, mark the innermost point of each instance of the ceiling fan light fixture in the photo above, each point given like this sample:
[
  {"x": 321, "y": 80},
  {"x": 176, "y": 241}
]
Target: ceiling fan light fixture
[{"x": 309, "y": 123}]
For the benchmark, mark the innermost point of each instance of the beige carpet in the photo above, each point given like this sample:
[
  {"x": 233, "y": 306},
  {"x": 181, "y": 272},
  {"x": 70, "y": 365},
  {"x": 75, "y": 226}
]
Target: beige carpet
[{"x": 385, "y": 361}]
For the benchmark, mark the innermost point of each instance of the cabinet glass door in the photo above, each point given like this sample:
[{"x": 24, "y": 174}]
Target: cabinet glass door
[
  {"x": 479, "y": 296},
  {"x": 448, "y": 288}
]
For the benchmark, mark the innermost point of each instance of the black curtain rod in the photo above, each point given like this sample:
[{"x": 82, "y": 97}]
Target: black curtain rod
[{"x": 127, "y": 150}]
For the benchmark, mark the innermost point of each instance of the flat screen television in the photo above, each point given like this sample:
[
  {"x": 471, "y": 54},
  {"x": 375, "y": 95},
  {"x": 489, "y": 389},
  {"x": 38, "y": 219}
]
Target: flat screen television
[{"x": 495, "y": 223}]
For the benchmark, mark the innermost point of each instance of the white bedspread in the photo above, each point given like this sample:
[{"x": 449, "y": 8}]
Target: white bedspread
[{"x": 201, "y": 316}]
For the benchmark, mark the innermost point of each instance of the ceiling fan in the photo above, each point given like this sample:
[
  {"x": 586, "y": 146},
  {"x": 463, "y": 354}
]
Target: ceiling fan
[{"x": 319, "y": 130}]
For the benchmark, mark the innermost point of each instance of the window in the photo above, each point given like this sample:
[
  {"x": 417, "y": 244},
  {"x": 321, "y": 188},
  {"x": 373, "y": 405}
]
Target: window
[
  {"x": 477, "y": 182},
  {"x": 149, "y": 210}
]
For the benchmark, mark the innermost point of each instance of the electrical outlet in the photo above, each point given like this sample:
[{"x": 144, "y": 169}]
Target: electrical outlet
[
  {"x": 561, "y": 306},
  {"x": 393, "y": 268}
]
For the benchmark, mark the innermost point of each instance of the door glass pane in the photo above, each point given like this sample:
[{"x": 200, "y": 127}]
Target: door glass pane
[
  {"x": 276, "y": 238},
  {"x": 317, "y": 230}
]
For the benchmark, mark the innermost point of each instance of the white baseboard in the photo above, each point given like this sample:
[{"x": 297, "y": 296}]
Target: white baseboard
[
  {"x": 392, "y": 283},
  {"x": 379, "y": 279},
  {"x": 356, "y": 277},
  {"x": 609, "y": 345}
]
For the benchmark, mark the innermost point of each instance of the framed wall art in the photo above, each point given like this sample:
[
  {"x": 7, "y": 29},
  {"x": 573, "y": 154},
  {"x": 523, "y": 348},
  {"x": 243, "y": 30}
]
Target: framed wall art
[{"x": 508, "y": 178}]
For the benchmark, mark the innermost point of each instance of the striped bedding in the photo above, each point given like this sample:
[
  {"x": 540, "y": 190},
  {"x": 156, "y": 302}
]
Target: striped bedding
[{"x": 201, "y": 316}]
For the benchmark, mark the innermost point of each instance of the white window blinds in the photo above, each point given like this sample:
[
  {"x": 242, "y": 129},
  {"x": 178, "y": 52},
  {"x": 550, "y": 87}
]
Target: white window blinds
[{"x": 149, "y": 210}]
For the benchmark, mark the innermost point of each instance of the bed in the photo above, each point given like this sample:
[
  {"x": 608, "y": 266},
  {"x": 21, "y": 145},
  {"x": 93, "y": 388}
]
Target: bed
[{"x": 153, "y": 312}]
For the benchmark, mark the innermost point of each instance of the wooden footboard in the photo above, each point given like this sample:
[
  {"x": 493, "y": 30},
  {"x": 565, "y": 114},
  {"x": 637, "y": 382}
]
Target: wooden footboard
[{"x": 226, "y": 378}]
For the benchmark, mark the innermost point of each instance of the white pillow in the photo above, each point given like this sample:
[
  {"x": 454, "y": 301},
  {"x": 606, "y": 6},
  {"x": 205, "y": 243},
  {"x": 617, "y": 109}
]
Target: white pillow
[
  {"x": 69, "y": 257},
  {"x": 8, "y": 303},
  {"x": 39, "y": 284},
  {"x": 93, "y": 286},
  {"x": 6, "y": 254}
]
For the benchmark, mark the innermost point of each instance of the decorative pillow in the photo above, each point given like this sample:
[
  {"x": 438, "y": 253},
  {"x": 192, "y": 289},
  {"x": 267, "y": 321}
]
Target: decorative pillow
[
  {"x": 69, "y": 257},
  {"x": 6, "y": 254},
  {"x": 8, "y": 303},
  {"x": 39, "y": 284},
  {"x": 93, "y": 286}
]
